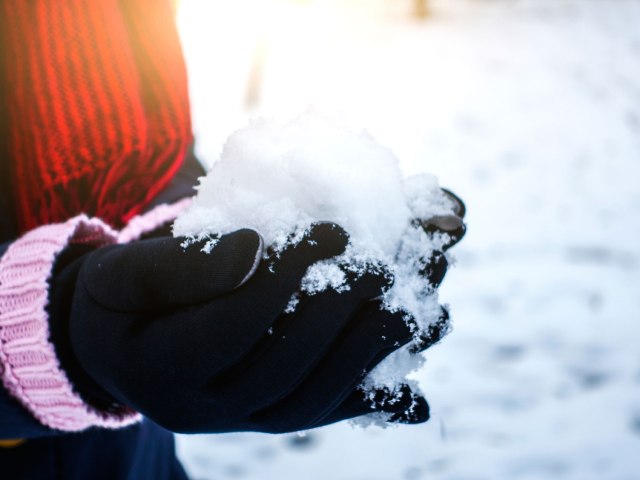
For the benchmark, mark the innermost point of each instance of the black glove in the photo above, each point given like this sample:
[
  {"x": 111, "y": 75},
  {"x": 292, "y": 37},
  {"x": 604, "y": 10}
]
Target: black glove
[{"x": 170, "y": 332}]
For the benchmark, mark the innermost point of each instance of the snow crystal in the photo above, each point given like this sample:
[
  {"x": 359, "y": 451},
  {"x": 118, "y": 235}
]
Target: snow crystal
[
  {"x": 280, "y": 178},
  {"x": 323, "y": 275}
]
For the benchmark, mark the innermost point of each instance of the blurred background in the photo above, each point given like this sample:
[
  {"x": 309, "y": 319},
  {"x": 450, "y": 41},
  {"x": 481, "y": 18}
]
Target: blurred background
[{"x": 530, "y": 111}]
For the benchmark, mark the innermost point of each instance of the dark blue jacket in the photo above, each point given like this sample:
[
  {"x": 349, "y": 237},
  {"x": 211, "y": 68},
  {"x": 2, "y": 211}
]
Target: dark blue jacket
[{"x": 143, "y": 451}]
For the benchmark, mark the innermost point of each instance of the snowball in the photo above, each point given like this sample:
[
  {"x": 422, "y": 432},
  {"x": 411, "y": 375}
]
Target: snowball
[{"x": 278, "y": 179}]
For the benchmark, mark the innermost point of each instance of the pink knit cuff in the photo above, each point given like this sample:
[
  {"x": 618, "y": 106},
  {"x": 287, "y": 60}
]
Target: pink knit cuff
[
  {"x": 147, "y": 222},
  {"x": 28, "y": 364}
]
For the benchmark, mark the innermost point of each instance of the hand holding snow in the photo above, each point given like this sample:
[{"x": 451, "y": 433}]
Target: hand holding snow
[{"x": 279, "y": 179}]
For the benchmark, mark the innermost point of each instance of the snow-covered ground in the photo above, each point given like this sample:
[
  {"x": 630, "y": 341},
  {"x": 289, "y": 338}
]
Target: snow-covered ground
[{"x": 530, "y": 111}]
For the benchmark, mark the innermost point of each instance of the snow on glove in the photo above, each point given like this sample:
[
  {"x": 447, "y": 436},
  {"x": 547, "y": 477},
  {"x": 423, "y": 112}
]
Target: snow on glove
[
  {"x": 435, "y": 267},
  {"x": 201, "y": 343},
  {"x": 453, "y": 227}
]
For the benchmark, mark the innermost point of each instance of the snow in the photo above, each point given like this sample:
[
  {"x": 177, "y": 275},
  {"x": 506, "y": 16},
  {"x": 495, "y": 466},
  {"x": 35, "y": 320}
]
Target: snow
[
  {"x": 529, "y": 110},
  {"x": 280, "y": 178}
]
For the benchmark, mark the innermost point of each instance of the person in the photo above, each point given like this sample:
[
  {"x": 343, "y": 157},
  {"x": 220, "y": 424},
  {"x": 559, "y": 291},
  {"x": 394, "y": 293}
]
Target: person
[{"x": 112, "y": 335}]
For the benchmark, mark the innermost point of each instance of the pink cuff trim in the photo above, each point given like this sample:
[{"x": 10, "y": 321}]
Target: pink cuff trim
[
  {"x": 28, "y": 364},
  {"x": 151, "y": 220}
]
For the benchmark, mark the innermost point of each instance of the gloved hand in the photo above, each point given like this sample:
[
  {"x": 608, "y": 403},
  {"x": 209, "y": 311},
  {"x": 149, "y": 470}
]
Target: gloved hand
[
  {"x": 178, "y": 336},
  {"x": 202, "y": 343}
]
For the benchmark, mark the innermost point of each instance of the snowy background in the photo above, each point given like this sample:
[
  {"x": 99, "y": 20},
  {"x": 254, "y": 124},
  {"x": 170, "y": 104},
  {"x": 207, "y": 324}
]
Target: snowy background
[{"x": 530, "y": 111}]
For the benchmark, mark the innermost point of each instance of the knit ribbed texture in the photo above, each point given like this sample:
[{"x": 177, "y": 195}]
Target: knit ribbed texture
[
  {"x": 28, "y": 364},
  {"x": 97, "y": 104}
]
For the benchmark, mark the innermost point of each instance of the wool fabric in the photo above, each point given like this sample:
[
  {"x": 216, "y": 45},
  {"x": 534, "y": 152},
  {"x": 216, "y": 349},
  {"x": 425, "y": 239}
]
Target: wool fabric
[{"x": 97, "y": 106}]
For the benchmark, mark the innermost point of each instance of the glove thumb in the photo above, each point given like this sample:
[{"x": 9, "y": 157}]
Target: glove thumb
[{"x": 161, "y": 273}]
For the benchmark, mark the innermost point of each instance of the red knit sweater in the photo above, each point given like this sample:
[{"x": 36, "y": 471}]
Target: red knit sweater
[{"x": 97, "y": 105}]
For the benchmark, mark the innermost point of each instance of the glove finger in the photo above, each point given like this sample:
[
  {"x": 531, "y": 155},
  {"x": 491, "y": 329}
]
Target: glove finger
[
  {"x": 295, "y": 343},
  {"x": 270, "y": 289},
  {"x": 434, "y": 333},
  {"x": 459, "y": 207},
  {"x": 356, "y": 351},
  {"x": 435, "y": 269},
  {"x": 355, "y": 405},
  {"x": 454, "y": 237},
  {"x": 452, "y": 225},
  {"x": 417, "y": 412},
  {"x": 159, "y": 273},
  {"x": 401, "y": 406}
]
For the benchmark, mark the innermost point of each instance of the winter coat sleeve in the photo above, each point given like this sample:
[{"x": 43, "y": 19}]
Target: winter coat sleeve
[{"x": 36, "y": 398}]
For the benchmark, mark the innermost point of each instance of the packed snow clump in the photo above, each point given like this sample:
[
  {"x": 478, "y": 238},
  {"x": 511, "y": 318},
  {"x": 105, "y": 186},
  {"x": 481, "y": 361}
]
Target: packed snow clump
[{"x": 278, "y": 179}]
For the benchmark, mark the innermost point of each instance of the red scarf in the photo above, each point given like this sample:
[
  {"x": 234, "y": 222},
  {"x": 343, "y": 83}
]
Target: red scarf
[{"x": 97, "y": 105}]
